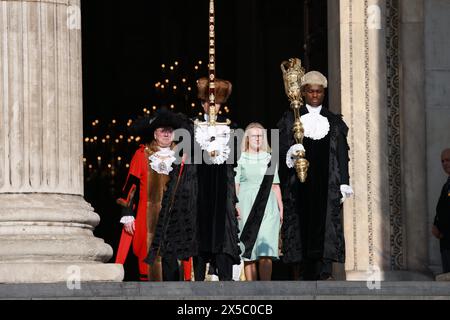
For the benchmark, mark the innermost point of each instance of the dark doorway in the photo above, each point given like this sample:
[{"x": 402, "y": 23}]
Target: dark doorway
[{"x": 128, "y": 52}]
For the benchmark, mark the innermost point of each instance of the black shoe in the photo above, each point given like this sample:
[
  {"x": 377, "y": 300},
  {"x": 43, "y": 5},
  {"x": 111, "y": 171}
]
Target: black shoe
[{"x": 326, "y": 277}]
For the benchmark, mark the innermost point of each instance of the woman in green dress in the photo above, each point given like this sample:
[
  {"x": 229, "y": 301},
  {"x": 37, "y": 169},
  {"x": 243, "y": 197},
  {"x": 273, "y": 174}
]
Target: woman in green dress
[{"x": 250, "y": 172}]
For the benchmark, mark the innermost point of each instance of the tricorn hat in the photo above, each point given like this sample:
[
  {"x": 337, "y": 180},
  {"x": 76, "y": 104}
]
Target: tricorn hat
[
  {"x": 145, "y": 127},
  {"x": 223, "y": 90}
]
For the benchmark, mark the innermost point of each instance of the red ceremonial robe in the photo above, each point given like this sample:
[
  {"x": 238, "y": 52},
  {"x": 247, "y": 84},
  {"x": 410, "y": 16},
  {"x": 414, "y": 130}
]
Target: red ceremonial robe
[{"x": 136, "y": 194}]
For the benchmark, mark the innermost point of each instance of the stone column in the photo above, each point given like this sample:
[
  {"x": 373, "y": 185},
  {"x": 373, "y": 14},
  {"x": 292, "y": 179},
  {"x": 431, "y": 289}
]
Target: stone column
[
  {"x": 363, "y": 87},
  {"x": 46, "y": 227},
  {"x": 380, "y": 79},
  {"x": 413, "y": 140},
  {"x": 437, "y": 107}
]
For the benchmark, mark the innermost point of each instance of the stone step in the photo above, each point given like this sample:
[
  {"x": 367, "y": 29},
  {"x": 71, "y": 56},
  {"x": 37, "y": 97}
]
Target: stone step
[{"x": 213, "y": 291}]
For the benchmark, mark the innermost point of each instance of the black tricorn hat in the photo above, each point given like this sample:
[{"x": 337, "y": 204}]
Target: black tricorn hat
[{"x": 144, "y": 127}]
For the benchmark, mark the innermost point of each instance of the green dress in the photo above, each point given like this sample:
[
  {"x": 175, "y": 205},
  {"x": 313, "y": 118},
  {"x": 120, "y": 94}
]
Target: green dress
[{"x": 249, "y": 175}]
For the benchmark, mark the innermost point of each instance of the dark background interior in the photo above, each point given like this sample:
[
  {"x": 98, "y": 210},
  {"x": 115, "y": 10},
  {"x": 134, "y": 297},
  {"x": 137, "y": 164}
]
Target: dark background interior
[{"x": 124, "y": 47}]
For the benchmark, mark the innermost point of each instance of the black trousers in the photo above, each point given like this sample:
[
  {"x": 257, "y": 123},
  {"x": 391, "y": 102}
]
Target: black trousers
[
  {"x": 445, "y": 253},
  {"x": 316, "y": 269},
  {"x": 170, "y": 269},
  {"x": 223, "y": 263}
]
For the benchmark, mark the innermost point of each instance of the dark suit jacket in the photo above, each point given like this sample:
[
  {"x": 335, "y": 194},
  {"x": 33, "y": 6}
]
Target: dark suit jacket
[{"x": 442, "y": 220}]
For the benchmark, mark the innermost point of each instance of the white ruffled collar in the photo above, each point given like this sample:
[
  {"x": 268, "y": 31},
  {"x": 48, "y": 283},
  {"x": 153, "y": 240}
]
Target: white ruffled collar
[
  {"x": 214, "y": 140},
  {"x": 312, "y": 109},
  {"x": 316, "y": 126},
  {"x": 162, "y": 161}
]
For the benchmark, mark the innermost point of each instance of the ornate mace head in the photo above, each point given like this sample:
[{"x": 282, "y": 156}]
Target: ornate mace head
[{"x": 293, "y": 72}]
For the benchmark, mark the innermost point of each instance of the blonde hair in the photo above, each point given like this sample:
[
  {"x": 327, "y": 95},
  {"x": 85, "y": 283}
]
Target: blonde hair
[{"x": 245, "y": 141}]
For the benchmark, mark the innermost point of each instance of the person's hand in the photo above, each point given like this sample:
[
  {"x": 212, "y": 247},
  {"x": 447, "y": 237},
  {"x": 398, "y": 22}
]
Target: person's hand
[
  {"x": 238, "y": 212},
  {"x": 130, "y": 228},
  {"x": 347, "y": 192},
  {"x": 291, "y": 154},
  {"x": 281, "y": 215},
  {"x": 436, "y": 233}
]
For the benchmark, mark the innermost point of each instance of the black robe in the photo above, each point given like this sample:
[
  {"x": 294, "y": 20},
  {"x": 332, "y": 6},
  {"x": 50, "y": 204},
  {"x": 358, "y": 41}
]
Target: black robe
[
  {"x": 217, "y": 225},
  {"x": 442, "y": 220},
  {"x": 199, "y": 216},
  {"x": 176, "y": 231},
  {"x": 175, "y": 234},
  {"x": 313, "y": 226}
]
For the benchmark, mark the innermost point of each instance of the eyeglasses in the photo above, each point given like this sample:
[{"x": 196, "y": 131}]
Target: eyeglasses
[{"x": 259, "y": 136}]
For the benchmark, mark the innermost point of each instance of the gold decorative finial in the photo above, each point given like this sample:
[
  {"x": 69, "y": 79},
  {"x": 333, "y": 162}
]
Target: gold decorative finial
[{"x": 293, "y": 73}]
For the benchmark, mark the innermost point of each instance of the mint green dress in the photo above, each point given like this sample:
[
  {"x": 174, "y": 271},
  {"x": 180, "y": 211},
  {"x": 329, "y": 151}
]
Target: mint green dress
[{"x": 249, "y": 175}]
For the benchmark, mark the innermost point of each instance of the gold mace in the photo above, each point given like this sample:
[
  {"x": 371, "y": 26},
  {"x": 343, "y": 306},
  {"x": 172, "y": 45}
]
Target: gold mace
[
  {"x": 293, "y": 73},
  {"x": 212, "y": 74}
]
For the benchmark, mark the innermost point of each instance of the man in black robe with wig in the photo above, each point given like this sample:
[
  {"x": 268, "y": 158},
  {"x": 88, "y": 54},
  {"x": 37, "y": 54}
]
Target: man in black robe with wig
[{"x": 312, "y": 232}]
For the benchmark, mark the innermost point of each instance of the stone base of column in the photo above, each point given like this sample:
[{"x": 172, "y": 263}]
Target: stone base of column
[
  {"x": 56, "y": 273},
  {"x": 388, "y": 276},
  {"x": 443, "y": 277},
  {"x": 48, "y": 238}
]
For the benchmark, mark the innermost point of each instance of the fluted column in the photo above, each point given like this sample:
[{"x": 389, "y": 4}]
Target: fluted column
[
  {"x": 46, "y": 227},
  {"x": 364, "y": 105},
  {"x": 376, "y": 86}
]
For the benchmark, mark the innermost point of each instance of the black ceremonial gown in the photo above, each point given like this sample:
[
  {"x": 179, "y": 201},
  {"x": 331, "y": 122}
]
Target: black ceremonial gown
[
  {"x": 313, "y": 226},
  {"x": 198, "y": 215},
  {"x": 175, "y": 235},
  {"x": 217, "y": 224}
]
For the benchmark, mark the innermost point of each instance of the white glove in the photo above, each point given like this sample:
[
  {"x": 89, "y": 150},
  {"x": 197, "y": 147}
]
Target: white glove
[
  {"x": 290, "y": 156},
  {"x": 127, "y": 220},
  {"x": 347, "y": 192}
]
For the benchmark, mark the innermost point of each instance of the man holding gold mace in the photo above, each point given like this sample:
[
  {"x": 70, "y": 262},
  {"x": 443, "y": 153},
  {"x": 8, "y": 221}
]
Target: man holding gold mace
[{"x": 312, "y": 233}]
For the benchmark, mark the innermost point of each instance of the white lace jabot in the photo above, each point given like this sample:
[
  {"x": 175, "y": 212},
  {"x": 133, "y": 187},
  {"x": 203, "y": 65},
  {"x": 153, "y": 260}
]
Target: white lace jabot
[
  {"x": 162, "y": 161},
  {"x": 316, "y": 126}
]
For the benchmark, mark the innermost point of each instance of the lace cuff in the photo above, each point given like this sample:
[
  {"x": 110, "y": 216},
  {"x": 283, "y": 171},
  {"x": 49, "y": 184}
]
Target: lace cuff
[{"x": 127, "y": 220}]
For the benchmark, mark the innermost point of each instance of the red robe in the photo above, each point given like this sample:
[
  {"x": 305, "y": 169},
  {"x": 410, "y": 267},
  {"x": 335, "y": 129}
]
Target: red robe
[
  {"x": 136, "y": 183},
  {"x": 136, "y": 193}
]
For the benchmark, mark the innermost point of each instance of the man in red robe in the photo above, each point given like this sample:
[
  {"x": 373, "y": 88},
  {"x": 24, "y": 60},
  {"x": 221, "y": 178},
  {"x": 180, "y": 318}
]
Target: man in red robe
[{"x": 143, "y": 192}]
